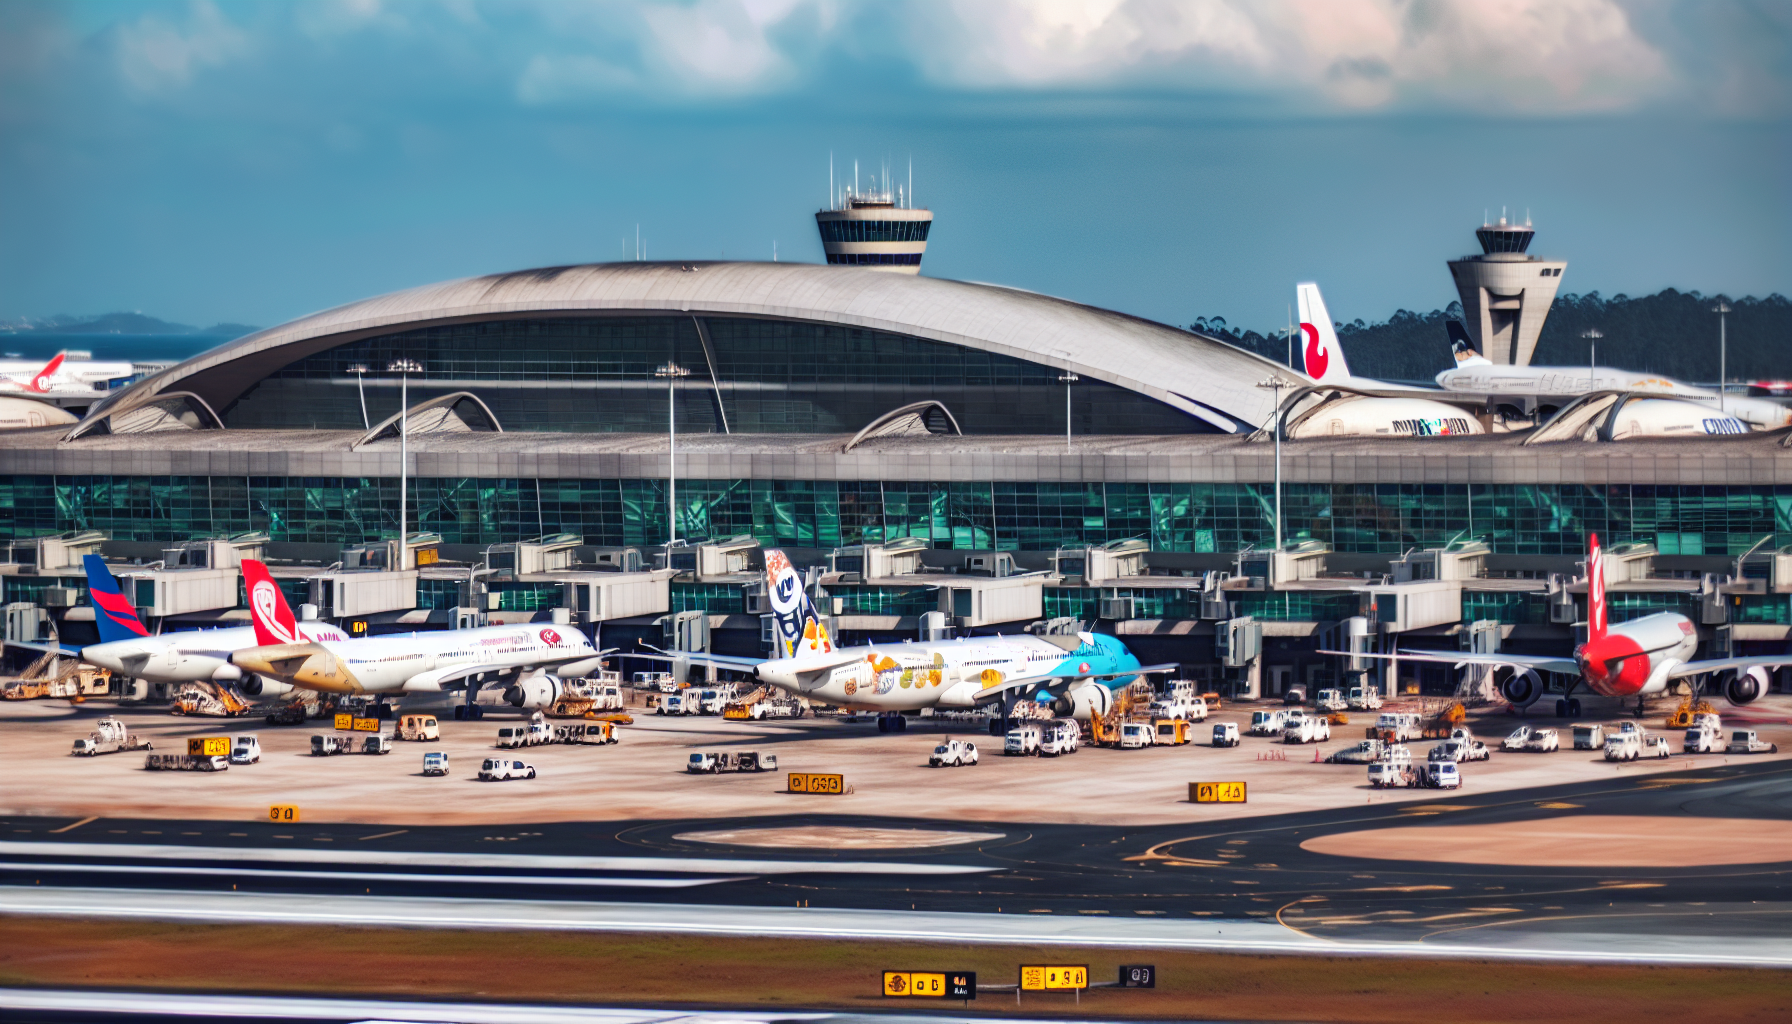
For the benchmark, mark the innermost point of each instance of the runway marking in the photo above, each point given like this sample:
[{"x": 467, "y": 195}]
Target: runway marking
[
  {"x": 76, "y": 825},
  {"x": 1558, "y": 806},
  {"x": 375, "y": 876},
  {"x": 1580, "y": 917},
  {"x": 383, "y": 835}
]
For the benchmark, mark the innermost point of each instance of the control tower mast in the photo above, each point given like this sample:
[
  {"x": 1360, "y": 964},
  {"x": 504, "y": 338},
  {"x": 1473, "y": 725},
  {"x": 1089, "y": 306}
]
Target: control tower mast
[
  {"x": 877, "y": 228},
  {"x": 1506, "y": 293}
]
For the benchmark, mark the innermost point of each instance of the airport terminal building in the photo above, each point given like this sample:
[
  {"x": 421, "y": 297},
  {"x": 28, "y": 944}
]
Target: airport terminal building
[{"x": 997, "y": 458}]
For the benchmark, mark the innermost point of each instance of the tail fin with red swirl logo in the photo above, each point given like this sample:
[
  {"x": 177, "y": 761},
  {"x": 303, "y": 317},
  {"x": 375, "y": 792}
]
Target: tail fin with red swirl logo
[
  {"x": 1596, "y": 622},
  {"x": 1323, "y": 358},
  {"x": 273, "y": 618}
]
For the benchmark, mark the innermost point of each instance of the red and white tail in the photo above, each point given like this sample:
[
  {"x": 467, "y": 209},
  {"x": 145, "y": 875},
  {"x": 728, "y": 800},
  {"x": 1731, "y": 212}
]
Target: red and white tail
[
  {"x": 273, "y": 618},
  {"x": 41, "y": 381},
  {"x": 1595, "y": 590},
  {"x": 1324, "y": 359}
]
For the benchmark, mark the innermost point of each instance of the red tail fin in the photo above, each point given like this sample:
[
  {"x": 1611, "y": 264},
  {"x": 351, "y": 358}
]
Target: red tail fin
[
  {"x": 1595, "y": 589},
  {"x": 273, "y": 618},
  {"x": 40, "y": 381}
]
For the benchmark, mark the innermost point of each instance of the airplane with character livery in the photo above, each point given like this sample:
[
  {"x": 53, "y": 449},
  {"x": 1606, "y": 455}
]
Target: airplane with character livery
[
  {"x": 1639, "y": 658},
  {"x": 1075, "y": 675}
]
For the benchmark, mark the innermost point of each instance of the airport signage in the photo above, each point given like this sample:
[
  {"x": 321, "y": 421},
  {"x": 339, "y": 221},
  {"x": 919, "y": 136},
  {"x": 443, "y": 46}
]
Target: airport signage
[
  {"x": 1138, "y": 976},
  {"x": 345, "y": 722},
  {"x": 1216, "y": 793},
  {"x": 209, "y": 746},
  {"x": 367, "y": 725},
  {"x": 1051, "y": 977},
  {"x": 810, "y": 782},
  {"x": 283, "y": 813},
  {"x": 931, "y": 984}
]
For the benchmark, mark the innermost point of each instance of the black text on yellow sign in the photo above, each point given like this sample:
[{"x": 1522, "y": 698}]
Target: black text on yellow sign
[
  {"x": 345, "y": 722},
  {"x": 1046, "y": 977},
  {"x": 367, "y": 725},
  {"x": 1216, "y": 792},
  {"x": 209, "y": 746},
  {"x": 810, "y": 782},
  {"x": 931, "y": 984},
  {"x": 283, "y": 813}
]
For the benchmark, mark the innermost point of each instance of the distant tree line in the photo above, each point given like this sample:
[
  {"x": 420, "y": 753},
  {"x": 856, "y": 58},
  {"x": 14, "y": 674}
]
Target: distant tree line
[{"x": 1671, "y": 332}]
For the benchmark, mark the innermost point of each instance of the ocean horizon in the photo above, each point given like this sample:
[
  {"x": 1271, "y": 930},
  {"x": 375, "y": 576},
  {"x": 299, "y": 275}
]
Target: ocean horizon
[{"x": 136, "y": 348}]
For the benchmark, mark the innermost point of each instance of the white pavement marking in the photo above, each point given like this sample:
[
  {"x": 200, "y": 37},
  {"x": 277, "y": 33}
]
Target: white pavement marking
[
  {"x": 902, "y": 926},
  {"x": 520, "y": 861},
  {"x": 160, "y": 870}
]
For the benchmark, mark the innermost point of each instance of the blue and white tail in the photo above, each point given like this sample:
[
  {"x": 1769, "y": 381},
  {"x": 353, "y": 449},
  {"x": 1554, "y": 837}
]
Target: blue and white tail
[
  {"x": 1324, "y": 359},
  {"x": 112, "y": 611},
  {"x": 799, "y": 626},
  {"x": 1462, "y": 347}
]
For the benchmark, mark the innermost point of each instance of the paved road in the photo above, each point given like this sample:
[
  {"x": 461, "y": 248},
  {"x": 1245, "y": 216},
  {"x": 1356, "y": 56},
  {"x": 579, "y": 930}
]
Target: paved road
[{"x": 1249, "y": 870}]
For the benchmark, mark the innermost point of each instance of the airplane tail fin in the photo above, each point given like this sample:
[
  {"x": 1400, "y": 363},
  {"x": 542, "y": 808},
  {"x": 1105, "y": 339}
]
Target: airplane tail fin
[
  {"x": 1462, "y": 347},
  {"x": 1596, "y": 621},
  {"x": 273, "y": 617},
  {"x": 799, "y": 626},
  {"x": 112, "y": 611},
  {"x": 41, "y": 380},
  {"x": 1324, "y": 358}
]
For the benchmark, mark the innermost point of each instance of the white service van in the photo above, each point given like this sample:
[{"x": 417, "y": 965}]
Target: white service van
[
  {"x": 245, "y": 750},
  {"x": 1134, "y": 735},
  {"x": 1268, "y": 723},
  {"x": 1023, "y": 740},
  {"x": 1363, "y": 698},
  {"x": 497, "y": 769},
  {"x": 1331, "y": 700},
  {"x": 1060, "y": 736},
  {"x": 1225, "y": 734}
]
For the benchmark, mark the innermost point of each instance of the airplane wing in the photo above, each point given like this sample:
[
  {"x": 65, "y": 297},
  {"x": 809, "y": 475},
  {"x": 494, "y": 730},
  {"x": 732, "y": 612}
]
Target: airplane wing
[
  {"x": 731, "y": 661},
  {"x": 1050, "y": 680},
  {"x": 62, "y": 649},
  {"x": 1542, "y": 662},
  {"x": 1693, "y": 668}
]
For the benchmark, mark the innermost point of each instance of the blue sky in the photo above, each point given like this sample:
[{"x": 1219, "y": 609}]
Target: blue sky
[{"x": 252, "y": 162}]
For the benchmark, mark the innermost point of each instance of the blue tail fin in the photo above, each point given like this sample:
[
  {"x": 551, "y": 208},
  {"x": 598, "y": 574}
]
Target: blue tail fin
[{"x": 112, "y": 611}]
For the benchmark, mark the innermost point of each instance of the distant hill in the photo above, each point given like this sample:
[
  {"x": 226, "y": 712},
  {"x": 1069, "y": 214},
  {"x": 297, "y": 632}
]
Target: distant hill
[
  {"x": 1671, "y": 332},
  {"x": 121, "y": 323}
]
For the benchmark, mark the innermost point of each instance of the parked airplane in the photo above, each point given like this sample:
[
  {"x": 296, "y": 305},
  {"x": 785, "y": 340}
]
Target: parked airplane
[
  {"x": 1638, "y": 658},
  {"x": 1074, "y": 675},
  {"x": 190, "y": 656},
  {"x": 18, "y": 412},
  {"x": 463, "y": 659},
  {"x": 61, "y": 374},
  {"x": 1475, "y": 373}
]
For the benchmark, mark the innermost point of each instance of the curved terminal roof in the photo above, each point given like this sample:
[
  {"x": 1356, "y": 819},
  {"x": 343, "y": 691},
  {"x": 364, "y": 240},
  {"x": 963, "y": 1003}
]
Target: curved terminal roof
[{"x": 1199, "y": 375}]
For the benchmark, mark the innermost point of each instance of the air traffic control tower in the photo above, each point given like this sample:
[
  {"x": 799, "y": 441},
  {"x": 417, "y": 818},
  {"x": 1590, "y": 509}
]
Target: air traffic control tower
[
  {"x": 1506, "y": 293},
  {"x": 875, "y": 229}
]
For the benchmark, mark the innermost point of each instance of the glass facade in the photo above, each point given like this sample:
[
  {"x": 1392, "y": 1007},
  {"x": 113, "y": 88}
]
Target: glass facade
[
  {"x": 1535, "y": 519},
  {"x": 875, "y": 259},
  {"x": 874, "y": 230},
  {"x": 596, "y": 374}
]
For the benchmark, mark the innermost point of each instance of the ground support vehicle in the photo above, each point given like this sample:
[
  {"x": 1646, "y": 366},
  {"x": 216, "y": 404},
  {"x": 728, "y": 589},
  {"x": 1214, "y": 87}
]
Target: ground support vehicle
[
  {"x": 534, "y": 733},
  {"x": 584, "y": 696},
  {"x": 1589, "y": 737},
  {"x": 1188, "y": 708},
  {"x": 1023, "y": 740},
  {"x": 1440, "y": 724},
  {"x": 497, "y": 769},
  {"x": 1704, "y": 738},
  {"x": 1441, "y": 775},
  {"x": 1225, "y": 734},
  {"x": 292, "y": 712},
  {"x": 220, "y": 701},
  {"x": 1623, "y": 746},
  {"x": 1312, "y": 729},
  {"x": 419, "y": 729},
  {"x": 1366, "y": 752},
  {"x": 726, "y": 761},
  {"x": 1396, "y": 727},
  {"x": 1331, "y": 700},
  {"x": 245, "y": 750},
  {"x": 1268, "y": 723},
  {"x": 953, "y": 753},
  {"x": 377, "y": 743},
  {"x": 1135, "y": 735},
  {"x": 1363, "y": 698},
  {"x": 1170, "y": 732},
  {"x": 1747, "y": 741},
  {"x": 1686, "y": 715},
  {"x": 1060, "y": 736},
  {"x": 1457, "y": 751},
  {"x": 586, "y": 733},
  {"x": 1527, "y": 737},
  {"x": 435, "y": 763},
  {"x": 1389, "y": 773},
  {"x": 109, "y": 736},
  {"x": 1658, "y": 748},
  {"x": 332, "y": 743},
  {"x": 186, "y": 763},
  {"x": 671, "y": 704}
]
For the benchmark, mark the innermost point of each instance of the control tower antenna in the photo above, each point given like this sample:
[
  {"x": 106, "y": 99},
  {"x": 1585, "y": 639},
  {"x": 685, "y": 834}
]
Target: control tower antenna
[{"x": 1506, "y": 293}]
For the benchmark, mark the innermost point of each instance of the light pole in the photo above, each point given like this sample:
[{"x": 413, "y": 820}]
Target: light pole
[
  {"x": 360, "y": 372},
  {"x": 671, "y": 371},
  {"x": 1592, "y": 334},
  {"x": 1067, "y": 378},
  {"x": 1276, "y": 384},
  {"x": 404, "y": 368},
  {"x": 1722, "y": 309}
]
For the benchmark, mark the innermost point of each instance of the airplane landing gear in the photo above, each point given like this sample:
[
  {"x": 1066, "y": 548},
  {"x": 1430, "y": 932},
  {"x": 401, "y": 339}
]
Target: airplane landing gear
[
  {"x": 469, "y": 711},
  {"x": 1639, "y": 707},
  {"x": 1569, "y": 708},
  {"x": 892, "y": 723}
]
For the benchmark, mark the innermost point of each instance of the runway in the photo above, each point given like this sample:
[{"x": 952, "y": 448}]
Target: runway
[{"x": 1242, "y": 883}]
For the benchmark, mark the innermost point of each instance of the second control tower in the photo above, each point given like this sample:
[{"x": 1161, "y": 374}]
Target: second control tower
[
  {"x": 875, "y": 229},
  {"x": 1506, "y": 293}
]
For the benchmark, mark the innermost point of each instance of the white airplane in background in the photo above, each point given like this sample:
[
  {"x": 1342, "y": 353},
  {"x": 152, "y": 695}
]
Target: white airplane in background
[
  {"x": 1476, "y": 373},
  {"x": 531, "y": 656},
  {"x": 1638, "y": 658},
  {"x": 60, "y": 374},
  {"x": 1076, "y": 680}
]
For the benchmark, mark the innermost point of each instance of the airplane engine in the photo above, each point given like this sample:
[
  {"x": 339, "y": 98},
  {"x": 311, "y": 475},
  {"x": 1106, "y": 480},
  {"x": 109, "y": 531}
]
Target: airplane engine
[
  {"x": 1084, "y": 702},
  {"x": 1522, "y": 688},
  {"x": 257, "y": 686},
  {"x": 534, "y": 692},
  {"x": 1743, "y": 687}
]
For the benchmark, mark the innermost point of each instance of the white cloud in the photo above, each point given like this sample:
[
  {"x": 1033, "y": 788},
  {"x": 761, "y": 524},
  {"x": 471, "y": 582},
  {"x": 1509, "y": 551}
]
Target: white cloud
[{"x": 155, "y": 54}]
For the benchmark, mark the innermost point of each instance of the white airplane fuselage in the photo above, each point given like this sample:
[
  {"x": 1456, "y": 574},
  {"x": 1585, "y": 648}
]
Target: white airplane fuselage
[
  {"x": 192, "y": 656},
  {"x": 1572, "y": 381},
  {"x": 418, "y": 662},
  {"x": 72, "y": 375}
]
